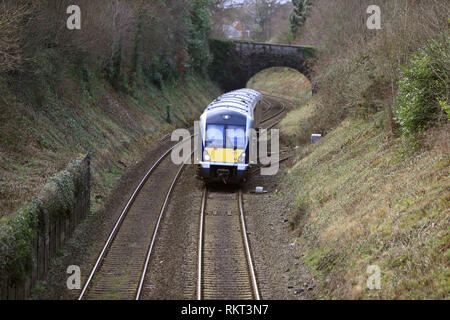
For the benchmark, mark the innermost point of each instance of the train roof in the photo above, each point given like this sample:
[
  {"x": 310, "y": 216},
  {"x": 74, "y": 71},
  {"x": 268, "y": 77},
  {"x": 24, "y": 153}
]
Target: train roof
[
  {"x": 241, "y": 97},
  {"x": 230, "y": 105},
  {"x": 244, "y": 92},
  {"x": 242, "y": 100}
]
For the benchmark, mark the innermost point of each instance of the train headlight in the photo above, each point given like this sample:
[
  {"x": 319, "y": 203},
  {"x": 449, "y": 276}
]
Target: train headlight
[
  {"x": 242, "y": 158},
  {"x": 206, "y": 156}
]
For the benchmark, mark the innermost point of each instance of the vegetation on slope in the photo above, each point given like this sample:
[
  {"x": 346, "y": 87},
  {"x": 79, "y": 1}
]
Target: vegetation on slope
[
  {"x": 375, "y": 189},
  {"x": 282, "y": 81},
  {"x": 358, "y": 69},
  {"x": 37, "y": 141},
  {"x": 134, "y": 71},
  {"x": 423, "y": 97},
  {"x": 361, "y": 199}
]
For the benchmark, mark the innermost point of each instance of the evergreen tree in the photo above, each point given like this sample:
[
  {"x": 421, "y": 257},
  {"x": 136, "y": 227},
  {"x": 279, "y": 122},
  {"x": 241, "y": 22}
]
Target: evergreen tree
[{"x": 299, "y": 14}]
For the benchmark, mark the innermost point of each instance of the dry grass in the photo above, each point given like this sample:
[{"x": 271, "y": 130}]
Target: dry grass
[
  {"x": 360, "y": 197},
  {"x": 282, "y": 81},
  {"x": 363, "y": 200},
  {"x": 298, "y": 125}
]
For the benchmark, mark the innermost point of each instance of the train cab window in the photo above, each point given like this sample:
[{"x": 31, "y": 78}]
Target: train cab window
[
  {"x": 235, "y": 137},
  {"x": 214, "y": 136},
  {"x": 225, "y": 136}
]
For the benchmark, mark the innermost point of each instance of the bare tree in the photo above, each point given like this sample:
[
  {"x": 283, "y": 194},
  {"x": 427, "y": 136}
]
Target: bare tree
[
  {"x": 12, "y": 23},
  {"x": 263, "y": 10}
]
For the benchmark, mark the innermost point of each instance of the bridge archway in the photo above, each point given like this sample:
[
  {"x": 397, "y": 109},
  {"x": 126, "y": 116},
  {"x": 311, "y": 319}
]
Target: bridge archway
[
  {"x": 235, "y": 62},
  {"x": 282, "y": 81}
]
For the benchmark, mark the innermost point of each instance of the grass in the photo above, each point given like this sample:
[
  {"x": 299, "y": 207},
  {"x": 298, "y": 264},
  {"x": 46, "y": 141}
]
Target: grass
[
  {"x": 282, "y": 81},
  {"x": 288, "y": 83},
  {"x": 298, "y": 125},
  {"x": 110, "y": 176},
  {"x": 361, "y": 197},
  {"x": 370, "y": 203}
]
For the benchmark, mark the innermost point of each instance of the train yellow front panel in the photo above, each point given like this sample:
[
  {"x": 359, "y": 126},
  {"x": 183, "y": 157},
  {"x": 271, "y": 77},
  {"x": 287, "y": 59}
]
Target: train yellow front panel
[{"x": 224, "y": 154}]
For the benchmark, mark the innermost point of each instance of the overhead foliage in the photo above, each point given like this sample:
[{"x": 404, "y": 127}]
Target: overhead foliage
[
  {"x": 126, "y": 41},
  {"x": 299, "y": 14},
  {"x": 199, "y": 29}
]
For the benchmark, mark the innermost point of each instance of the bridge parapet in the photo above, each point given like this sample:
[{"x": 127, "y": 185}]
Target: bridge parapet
[
  {"x": 235, "y": 62},
  {"x": 249, "y": 46}
]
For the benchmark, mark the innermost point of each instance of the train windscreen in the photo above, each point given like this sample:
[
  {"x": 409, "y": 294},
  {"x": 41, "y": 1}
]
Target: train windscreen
[{"x": 225, "y": 136}]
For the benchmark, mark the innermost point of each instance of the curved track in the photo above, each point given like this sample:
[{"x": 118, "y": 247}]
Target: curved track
[
  {"x": 271, "y": 118},
  {"x": 225, "y": 267}
]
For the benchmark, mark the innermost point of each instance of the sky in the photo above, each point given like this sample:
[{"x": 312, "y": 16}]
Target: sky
[{"x": 231, "y": 2}]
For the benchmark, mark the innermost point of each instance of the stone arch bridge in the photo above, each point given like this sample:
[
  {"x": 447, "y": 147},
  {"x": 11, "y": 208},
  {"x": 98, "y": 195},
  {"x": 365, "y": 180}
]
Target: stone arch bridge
[{"x": 235, "y": 62}]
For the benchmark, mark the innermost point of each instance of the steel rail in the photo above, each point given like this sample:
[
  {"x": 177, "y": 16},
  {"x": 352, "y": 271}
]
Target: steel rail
[
  {"x": 289, "y": 101},
  {"x": 254, "y": 171},
  {"x": 130, "y": 203},
  {"x": 200, "y": 245},
  {"x": 247, "y": 250},
  {"x": 122, "y": 217},
  {"x": 250, "y": 265},
  {"x": 155, "y": 232},
  {"x": 283, "y": 109}
]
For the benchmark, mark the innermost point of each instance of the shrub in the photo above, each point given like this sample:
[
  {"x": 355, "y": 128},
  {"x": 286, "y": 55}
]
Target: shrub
[
  {"x": 197, "y": 42},
  {"x": 219, "y": 70},
  {"x": 423, "y": 89}
]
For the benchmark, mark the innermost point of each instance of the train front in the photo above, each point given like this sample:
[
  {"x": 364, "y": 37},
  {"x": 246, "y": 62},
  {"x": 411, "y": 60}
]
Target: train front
[{"x": 225, "y": 145}]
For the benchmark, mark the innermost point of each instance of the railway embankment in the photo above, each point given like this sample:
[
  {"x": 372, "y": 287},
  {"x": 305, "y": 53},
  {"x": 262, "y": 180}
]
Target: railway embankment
[
  {"x": 38, "y": 141},
  {"x": 361, "y": 201},
  {"x": 367, "y": 209},
  {"x": 369, "y": 203},
  {"x": 109, "y": 89}
]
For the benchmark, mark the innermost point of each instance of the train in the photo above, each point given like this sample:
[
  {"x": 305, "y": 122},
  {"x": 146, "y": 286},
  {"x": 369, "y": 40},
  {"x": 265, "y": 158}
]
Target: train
[{"x": 225, "y": 129}]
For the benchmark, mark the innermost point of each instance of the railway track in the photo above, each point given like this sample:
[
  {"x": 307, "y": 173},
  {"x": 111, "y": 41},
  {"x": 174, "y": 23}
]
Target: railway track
[
  {"x": 282, "y": 109},
  {"x": 120, "y": 268},
  {"x": 274, "y": 119},
  {"x": 225, "y": 265}
]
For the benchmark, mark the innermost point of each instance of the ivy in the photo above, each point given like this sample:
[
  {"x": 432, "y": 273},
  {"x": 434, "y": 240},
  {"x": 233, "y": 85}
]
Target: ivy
[
  {"x": 16, "y": 238},
  {"x": 218, "y": 69},
  {"x": 18, "y": 232},
  {"x": 197, "y": 44}
]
